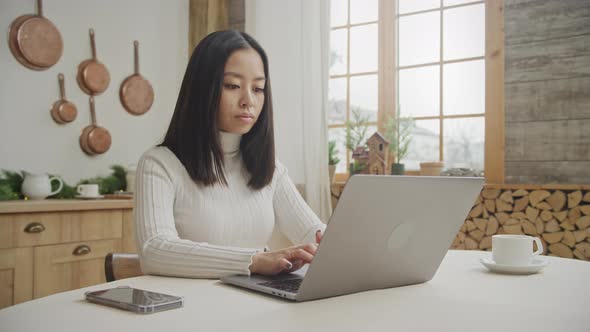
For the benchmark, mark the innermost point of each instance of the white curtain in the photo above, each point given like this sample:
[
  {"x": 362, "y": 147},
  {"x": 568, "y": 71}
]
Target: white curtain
[
  {"x": 315, "y": 51},
  {"x": 295, "y": 35}
]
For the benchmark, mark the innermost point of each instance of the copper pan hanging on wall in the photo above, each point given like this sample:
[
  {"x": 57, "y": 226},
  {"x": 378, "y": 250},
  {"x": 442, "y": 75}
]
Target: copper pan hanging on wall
[
  {"x": 63, "y": 111},
  {"x": 13, "y": 45},
  {"x": 94, "y": 139},
  {"x": 35, "y": 41},
  {"x": 93, "y": 76},
  {"x": 136, "y": 93}
]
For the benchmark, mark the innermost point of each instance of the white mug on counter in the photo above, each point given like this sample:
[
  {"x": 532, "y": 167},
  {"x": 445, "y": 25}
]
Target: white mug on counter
[
  {"x": 515, "y": 250},
  {"x": 88, "y": 190}
]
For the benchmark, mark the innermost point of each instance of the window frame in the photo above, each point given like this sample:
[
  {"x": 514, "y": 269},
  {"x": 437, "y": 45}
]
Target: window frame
[{"x": 387, "y": 76}]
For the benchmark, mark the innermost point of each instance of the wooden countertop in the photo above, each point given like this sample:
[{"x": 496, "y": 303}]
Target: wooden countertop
[{"x": 47, "y": 205}]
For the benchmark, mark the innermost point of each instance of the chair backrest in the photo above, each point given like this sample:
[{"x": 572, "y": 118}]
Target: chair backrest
[{"x": 120, "y": 266}]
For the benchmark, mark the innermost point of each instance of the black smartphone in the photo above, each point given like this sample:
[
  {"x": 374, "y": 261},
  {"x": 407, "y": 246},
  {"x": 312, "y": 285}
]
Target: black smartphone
[{"x": 135, "y": 300}]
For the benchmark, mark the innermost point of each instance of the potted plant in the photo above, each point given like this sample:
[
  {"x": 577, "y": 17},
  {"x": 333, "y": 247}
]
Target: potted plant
[
  {"x": 333, "y": 159},
  {"x": 357, "y": 130},
  {"x": 356, "y": 167},
  {"x": 431, "y": 168},
  {"x": 398, "y": 130}
]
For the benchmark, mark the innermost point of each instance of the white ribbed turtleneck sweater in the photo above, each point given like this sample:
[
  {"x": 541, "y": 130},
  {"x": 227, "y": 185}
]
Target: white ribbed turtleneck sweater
[{"x": 189, "y": 230}]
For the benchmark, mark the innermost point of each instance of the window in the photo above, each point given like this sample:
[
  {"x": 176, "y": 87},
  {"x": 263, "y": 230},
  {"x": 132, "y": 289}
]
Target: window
[
  {"x": 439, "y": 75},
  {"x": 353, "y": 69}
]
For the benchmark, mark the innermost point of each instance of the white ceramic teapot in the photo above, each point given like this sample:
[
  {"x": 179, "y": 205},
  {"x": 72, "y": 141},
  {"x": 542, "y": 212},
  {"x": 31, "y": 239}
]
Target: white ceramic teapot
[{"x": 38, "y": 186}]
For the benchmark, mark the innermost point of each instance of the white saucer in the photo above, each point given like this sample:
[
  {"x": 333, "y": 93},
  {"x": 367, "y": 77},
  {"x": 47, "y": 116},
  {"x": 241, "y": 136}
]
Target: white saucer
[
  {"x": 89, "y": 197},
  {"x": 536, "y": 265}
]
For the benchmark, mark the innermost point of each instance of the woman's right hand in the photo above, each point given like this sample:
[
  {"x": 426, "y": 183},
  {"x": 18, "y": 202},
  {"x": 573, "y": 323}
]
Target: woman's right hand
[{"x": 284, "y": 260}]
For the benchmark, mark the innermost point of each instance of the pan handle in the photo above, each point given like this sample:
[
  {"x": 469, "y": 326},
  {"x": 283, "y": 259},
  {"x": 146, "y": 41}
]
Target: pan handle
[
  {"x": 92, "y": 43},
  {"x": 136, "y": 56},
  {"x": 62, "y": 88},
  {"x": 92, "y": 111},
  {"x": 40, "y": 7}
]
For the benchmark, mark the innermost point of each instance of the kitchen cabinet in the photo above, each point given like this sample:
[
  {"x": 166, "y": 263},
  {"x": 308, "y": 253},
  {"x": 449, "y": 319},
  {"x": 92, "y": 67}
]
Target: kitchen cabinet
[{"x": 53, "y": 246}]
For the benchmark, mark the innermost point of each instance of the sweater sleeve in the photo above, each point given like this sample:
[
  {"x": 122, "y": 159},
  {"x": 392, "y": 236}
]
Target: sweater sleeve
[
  {"x": 295, "y": 218},
  {"x": 161, "y": 251}
]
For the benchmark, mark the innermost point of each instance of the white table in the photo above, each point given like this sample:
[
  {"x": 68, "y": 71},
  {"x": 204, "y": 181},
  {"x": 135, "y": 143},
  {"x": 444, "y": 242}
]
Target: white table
[{"x": 463, "y": 296}]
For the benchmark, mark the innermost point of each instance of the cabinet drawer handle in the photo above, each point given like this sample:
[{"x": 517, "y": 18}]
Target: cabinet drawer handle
[
  {"x": 82, "y": 250},
  {"x": 34, "y": 227}
]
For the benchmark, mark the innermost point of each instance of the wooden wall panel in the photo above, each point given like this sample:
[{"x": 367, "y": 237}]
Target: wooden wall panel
[
  {"x": 545, "y": 20},
  {"x": 237, "y": 14},
  {"x": 548, "y": 59},
  {"x": 547, "y": 172},
  {"x": 561, "y": 140},
  {"x": 547, "y": 91},
  {"x": 548, "y": 100},
  {"x": 495, "y": 95},
  {"x": 206, "y": 16}
]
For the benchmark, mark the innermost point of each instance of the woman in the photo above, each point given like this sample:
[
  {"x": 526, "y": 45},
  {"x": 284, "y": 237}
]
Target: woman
[{"x": 210, "y": 195}]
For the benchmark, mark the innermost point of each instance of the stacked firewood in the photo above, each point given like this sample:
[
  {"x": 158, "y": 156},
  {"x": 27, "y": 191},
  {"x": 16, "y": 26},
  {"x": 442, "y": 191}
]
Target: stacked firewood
[{"x": 560, "y": 218}]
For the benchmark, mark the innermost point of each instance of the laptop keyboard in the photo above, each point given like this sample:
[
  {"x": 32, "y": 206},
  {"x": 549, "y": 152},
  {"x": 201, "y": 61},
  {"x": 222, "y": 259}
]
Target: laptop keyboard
[{"x": 287, "y": 285}]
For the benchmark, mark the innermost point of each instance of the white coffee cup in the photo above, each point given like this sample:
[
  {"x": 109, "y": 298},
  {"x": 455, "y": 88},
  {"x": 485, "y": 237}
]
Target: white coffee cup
[
  {"x": 515, "y": 250},
  {"x": 88, "y": 190}
]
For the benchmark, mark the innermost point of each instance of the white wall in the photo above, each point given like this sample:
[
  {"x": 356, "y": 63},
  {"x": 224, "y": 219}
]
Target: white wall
[
  {"x": 31, "y": 140},
  {"x": 279, "y": 34}
]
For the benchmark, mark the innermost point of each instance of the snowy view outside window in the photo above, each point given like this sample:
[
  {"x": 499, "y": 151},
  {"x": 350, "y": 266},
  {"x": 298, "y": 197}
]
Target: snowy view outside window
[{"x": 441, "y": 81}]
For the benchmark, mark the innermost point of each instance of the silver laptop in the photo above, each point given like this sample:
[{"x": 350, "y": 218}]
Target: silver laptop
[{"x": 386, "y": 231}]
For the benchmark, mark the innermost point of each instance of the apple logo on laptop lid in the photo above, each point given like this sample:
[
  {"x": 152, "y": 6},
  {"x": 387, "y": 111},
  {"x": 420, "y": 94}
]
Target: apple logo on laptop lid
[{"x": 400, "y": 235}]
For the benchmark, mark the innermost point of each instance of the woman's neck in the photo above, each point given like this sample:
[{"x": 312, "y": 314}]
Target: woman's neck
[{"x": 230, "y": 142}]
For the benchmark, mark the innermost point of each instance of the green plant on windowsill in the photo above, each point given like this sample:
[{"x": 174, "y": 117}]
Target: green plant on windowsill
[
  {"x": 357, "y": 133},
  {"x": 398, "y": 131},
  {"x": 356, "y": 167},
  {"x": 357, "y": 129},
  {"x": 333, "y": 159}
]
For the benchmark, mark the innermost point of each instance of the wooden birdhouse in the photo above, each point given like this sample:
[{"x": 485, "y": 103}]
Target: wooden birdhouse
[{"x": 378, "y": 154}]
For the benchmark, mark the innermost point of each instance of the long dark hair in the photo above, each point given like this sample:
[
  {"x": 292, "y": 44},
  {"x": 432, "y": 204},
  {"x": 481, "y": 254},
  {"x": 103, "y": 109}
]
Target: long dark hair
[{"x": 193, "y": 133}]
